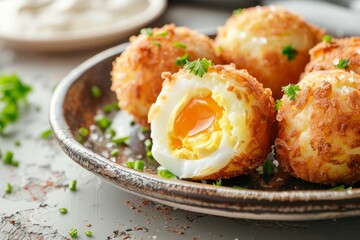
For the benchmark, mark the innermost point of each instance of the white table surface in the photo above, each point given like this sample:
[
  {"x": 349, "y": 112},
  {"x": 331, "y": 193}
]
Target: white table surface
[{"x": 40, "y": 182}]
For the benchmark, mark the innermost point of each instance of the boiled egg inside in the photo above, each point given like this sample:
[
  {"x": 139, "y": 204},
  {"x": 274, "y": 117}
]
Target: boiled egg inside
[{"x": 200, "y": 126}]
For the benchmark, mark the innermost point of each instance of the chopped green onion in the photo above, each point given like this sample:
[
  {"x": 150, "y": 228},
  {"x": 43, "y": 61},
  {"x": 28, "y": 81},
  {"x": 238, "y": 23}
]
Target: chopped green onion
[
  {"x": 73, "y": 233},
  {"x": 179, "y": 45},
  {"x": 114, "y": 152},
  {"x": 95, "y": 92},
  {"x": 102, "y": 122},
  {"x": 132, "y": 123},
  {"x": 8, "y": 189},
  {"x": 88, "y": 233},
  {"x": 144, "y": 129},
  {"x": 108, "y": 108},
  {"x": 120, "y": 140},
  {"x": 219, "y": 49},
  {"x": 341, "y": 188},
  {"x": 72, "y": 186},
  {"x": 148, "y": 144},
  {"x": 182, "y": 60},
  {"x": 139, "y": 165},
  {"x": 116, "y": 105},
  {"x": 17, "y": 143},
  {"x": 237, "y": 11},
  {"x": 8, "y": 158},
  {"x": 163, "y": 172},
  {"x": 15, "y": 163},
  {"x": 147, "y": 31},
  {"x": 218, "y": 182},
  {"x": 47, "y": 134},
  {"x": 290, "y": 52},
  {"x": 63, "y": 210},
  {"x": 162, "y": 34},
  {"x": 327, "y": 38},
  {"x": 278, "y": 103},
  {"x": 130, "y": 164},
  {"x": 149, "y": 154},
  {"x": 82, "y": 134},
  {"x": 156, "y": 43},
  {"x": 343, "y": 64},
  {"x": 111, "y": 132},
  {"x": 268, "y": 168}
]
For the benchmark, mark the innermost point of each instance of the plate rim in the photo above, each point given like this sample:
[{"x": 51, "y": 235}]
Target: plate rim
[{"x": 333, "y": 203}]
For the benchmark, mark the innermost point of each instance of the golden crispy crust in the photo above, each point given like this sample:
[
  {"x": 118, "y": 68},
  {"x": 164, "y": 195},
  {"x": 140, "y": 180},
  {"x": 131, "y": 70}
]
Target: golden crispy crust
[
  {"x": 136, "y": 74},
  {"x": 319, "y": 133},
  {"x": 324, "y": 56},
  {"x": 254, "y": 41},
  {"x": 261, "y": 120}
]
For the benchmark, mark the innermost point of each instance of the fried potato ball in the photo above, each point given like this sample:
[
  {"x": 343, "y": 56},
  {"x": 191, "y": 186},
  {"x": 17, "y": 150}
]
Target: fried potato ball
[
  {"x": 216, "y": 126},
  {"x": 319, "y": 132},
  {"x": 270, "y": 42},
  {"x": 338, "y": 53},
  {"x": 136, "y": 74}
]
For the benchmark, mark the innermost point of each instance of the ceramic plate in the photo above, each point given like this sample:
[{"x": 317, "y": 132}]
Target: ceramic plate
[
  {"x": 73, "y": 107},
  {"x": 86, "y": 38}
]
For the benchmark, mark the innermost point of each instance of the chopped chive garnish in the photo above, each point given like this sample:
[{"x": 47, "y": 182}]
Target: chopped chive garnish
[
  {"x": 278, "y": 103},
  {"x": 63, "y": 210},
  {"x": 327, "y": 38},
  {"x": 120, "y": 140},
  {"x": 12, "y": 92},
  {"x": 156, "y": 43},
  {"x": 219, "y": 49},
  {"x": 291, "y": 91},
  {"x": 162, "y": 34},
  {"x": 116, "y": 105},
  {"x": 130, "y": 164},
  {"x": 88, "y": 233},
  {"x": 149, "y": 154},
  {"x": 341, "y": 188},
  {"x": 72, "y": 186},
  {"x": 73, "y": 233},
  {"x": 114, "y": 152},
  {"x": 148, "y": 144},
  {"x": 102, "y": 122},
  {"x": 163, "y": 172},
  {"x": 8, "y": 158},
  {"x": 198, "y": 67},
  {"x": 47, "y": 134},
  {"x": 218, "y": 182},
  {"x": 268, "y": 168},
  {"x": 290, "y": 52},
  {"x": 95, "y": 92},
  {"x": 343, "y": 64},
  {"x": 111, "y": 132},
  {"x": 139, "y": 165},
  {"x": 17, "y": 143},
  {"x": 144, "y": 129},
  {"x": 8, "y": 188},
  {"x": 132, "y": 123},
  {"x": 147, "y": 31},
  {"x": 179, "y": 45},
  {"x": 237, "y": 11},
  {"x": 15, "y": 163},
  {"x": 108, "y": 108},
  {"x": 182, "y": 60},
  {"x": 82, "y": 134}
]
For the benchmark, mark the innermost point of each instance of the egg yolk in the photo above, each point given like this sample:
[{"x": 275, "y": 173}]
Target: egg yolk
[{"x": 199, "y": 116}]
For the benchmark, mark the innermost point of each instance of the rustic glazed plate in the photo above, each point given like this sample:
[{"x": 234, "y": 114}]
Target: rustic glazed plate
[{"x": 73, "y": 107}]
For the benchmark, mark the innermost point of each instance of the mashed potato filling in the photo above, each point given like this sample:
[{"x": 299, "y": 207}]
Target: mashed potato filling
[{"x": 193, "y": 129}]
